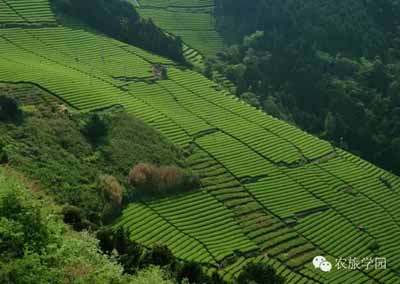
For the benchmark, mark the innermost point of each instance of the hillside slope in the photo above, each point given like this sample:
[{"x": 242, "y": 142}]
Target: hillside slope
[
  {"x": 330, "y": 67},
  {"x": 37, "y": 247},
  {"x": 270, "y": 192},
  {"x": 70, "y": 152},
  {"x": 192, "y": 20}
]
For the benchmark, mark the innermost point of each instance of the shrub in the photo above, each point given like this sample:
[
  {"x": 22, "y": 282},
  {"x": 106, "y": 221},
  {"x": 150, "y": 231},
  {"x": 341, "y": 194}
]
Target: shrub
[
  {"x": 106, "y": 240},
  {"x": 110, "y": 212},
  {"x": 373, "y": 246},
  {"x": 144, "y": 176},
  {"x": 152, "y": 275},
  {"x": 110, "y": 189},
  {"x": 95, "y": 129},
  {"x": 216, "y": 278},
  {"x": 160, "y": 255},
  {"x": 191, "y": 180},
  {"x": 192, "y": 271},
  {"x": 112, "y": 194},
  {"x": 149, "y": 178},
  {"x": 9, "y": 109},
  {"x": 11, "y": 239},
  {"x": 3, "y": 157},
  {"x": 259, "y": 273},
  {"x": 129, "y": 252},
  {"x": 171, "y": 177},
  {"x": 72, "y": 216},
  {"x": 22, "y": 226},
  {"x": 131, "y": 260},
  {"x": 3, "y": 154},
  {"x": 121, "y": 240}
]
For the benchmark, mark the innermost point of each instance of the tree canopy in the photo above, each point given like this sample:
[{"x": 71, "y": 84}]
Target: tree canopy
[{"x": 330, "y": 67}]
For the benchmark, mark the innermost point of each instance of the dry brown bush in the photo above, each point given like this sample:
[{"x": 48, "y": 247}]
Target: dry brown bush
[
  {"x": 145, "y": 176},
  {"x": 150, "y": 178},
  {"x": 171, "y": 177},
  {"x": 110, "y": 189},
  {"x": 112, "y": 193}
]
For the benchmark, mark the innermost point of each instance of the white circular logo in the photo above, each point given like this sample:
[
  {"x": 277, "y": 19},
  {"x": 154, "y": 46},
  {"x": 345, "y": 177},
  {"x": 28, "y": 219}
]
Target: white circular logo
[
  {"x": 326, "y": 266},
  {"x": 318, "y": 260}
]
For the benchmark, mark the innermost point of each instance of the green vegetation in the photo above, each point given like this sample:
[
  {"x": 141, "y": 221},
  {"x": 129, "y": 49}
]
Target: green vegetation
[
  {"x": 151, "y": 275},
  {"x": 9, "y": 109},
  {"x": 124, "y": 24},
  {"x": 270, "y": 193},
  {"x": 77, "y": 156},
  {"x": 37, "y": 248},
  {"x": 14, "y": 12},
  {"x": 331, "y": 68},
  {"x": 192, "y": 20},
  {"x": 259, "y": 273},
  {"x": 161, "y": 180}
]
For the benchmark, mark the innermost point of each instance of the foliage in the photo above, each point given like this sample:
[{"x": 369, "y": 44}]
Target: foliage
[
  {"x": 29, "y": 231},
  {"x": 49, "y": 146},
  {"x": 37, "y": 248},
  {"x": 110, "y": 189},
  {"x": 160, "y": 255},
  {"x": 192, "y": 272},
  {"x": 106, "y": 240},
  {"x": 9, "y": 108},
  {"x": 134, "y": 257},
  {"x": 152, "y": 275},
  {"x": 259, "y": 273},
  {"x": 216, "y": 278},
  {"x": 354, "y": 27},
  {"x": 149, "y": 178},
  {"x": 130, "y": 253},
  {"x": 95, "y": 129},
  {"x": 336, "y": 78},
  {"x": 112, "y": 193},
  {"x": 124, "y": 24},
  {"x": 72, "y": 215},
  {"x": 145, "y": 176}
]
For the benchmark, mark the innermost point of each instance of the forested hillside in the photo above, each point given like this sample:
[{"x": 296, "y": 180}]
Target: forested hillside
[
  {"x": 37, "y": 247},
  {"x": 119, "y": 19},
  {"x": 167, "y": 168},
  {"x": 330, "y": 67}
]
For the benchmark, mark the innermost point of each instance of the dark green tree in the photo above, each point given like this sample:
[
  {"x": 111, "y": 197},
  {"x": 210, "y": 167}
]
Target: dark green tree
[
  {"x": 160, "y": 255},
  {"x": 192, "y": 271},
  {"x": 259, "y": 273},
  {"x": 95, "y": 129},
  {"x": 9, "y": 109}
]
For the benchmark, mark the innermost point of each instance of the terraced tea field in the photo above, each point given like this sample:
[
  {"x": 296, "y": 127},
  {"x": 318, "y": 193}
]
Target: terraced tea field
[
  {"x": 270, "y": 192},
  {"x": 25, "y": 11},
  {"x": 192, "y": 20}
]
